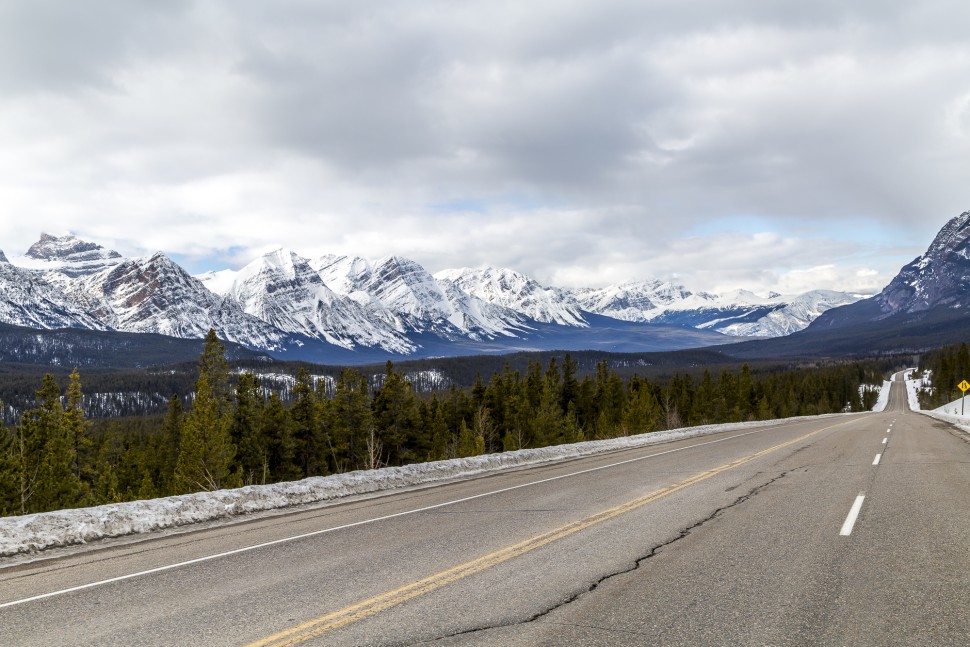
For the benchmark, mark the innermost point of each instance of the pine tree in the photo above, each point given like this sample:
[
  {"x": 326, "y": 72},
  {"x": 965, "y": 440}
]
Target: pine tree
[
  {"x": 280, "y": 445},
  {"x": 8, "y": 471},
  {"x": 246, "y": 429},
  {"x": 396, "y": 418},
  {"x": 46, "y": 453},
  {"x": 77, "y": 426},
  {"x": 306, "y": 428},
  {"x": 171, "y": 440},
  {"x": 214, "y": 366},
  {"x": 205, "y": 449},
  {"x": 467, "y": 442},
  {"x": 351, "y": 420}
]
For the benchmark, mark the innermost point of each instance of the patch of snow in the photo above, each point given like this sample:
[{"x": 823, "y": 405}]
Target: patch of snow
[
  {"x": 36, "y": 532},
  {"x": 883, "y": 399}
]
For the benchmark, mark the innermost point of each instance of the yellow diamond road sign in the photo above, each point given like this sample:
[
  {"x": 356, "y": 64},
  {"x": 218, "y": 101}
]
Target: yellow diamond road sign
[{"x": 964, "y": 386}]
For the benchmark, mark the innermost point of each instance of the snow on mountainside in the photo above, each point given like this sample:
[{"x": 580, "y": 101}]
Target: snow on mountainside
[
  {"x": 344, "y": 274},
  {"x": 737, "y": 313},
  {"x": 347, "y": 304},
  {"x": 516, "y": 292},
  {"x": 418, "y": 300},
  {"x": 938, "y": 278},
  {"x": 282, "y": 289},
  {"x": 66, "y": 257},
  {"x": 156, "y": 295},
  {"x": 28, "y": 299}
]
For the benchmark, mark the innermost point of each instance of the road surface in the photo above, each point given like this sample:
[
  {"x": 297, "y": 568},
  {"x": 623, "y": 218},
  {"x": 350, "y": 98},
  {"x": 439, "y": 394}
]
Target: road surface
[{"x": 844, "y": 530}]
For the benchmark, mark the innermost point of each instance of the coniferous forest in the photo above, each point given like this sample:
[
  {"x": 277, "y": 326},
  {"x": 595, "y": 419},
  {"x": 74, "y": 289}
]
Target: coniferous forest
[{"x": 235, "y": 431}]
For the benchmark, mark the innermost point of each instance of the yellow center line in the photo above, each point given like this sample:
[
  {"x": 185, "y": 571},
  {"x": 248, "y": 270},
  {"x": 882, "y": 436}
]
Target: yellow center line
[{"x": 373, "y": 606}]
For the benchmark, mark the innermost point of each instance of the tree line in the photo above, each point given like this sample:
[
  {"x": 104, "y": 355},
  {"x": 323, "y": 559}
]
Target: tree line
[
  {"x": 946, "y": 367},
  {"x": 236, "y": 431}
]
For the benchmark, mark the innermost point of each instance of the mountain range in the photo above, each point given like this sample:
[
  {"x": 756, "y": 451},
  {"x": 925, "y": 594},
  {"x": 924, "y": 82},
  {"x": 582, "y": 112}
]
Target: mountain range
[
  {"x": 352, "y": 309},
  {"x": 68, "y": 300}
]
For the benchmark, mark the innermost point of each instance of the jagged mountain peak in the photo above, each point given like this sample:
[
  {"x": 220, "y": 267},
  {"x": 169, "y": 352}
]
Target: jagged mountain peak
[
  {"x": 341, "y": 273},
  {"x": 940, "y": 277},
  {"x": 68, "y": 249},
  {"x": 518, "y": 292},
  {"x": 3, "y": 257}
]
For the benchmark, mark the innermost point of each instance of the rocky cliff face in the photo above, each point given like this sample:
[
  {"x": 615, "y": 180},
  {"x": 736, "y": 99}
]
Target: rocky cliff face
[{"x": 938, "y": 278}]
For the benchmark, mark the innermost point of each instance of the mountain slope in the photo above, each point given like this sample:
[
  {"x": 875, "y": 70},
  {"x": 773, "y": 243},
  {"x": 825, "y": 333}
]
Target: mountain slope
[
  {"x": 926, "y": 305},
  {"x": 740, "y": 313},
  {"x": 516, "y": 292},
  {"x": 282, "y": 290},
  {"x": 155, "y": 295}
]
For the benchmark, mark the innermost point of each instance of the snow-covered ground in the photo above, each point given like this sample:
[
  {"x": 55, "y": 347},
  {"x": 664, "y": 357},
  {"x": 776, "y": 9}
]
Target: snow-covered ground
[
  {"x": 35, "y": 532},
  {"x": 883, "y": 398},
  {"x": 949, "y": 412}
]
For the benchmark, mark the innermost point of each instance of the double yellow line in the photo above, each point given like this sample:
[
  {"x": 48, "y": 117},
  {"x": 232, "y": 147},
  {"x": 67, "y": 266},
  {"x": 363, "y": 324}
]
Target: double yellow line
[{"x": 372, "y": 606}]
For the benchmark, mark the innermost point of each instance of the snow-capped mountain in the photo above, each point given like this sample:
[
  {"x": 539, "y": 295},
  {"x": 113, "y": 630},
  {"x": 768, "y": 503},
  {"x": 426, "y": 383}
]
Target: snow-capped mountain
[
  {"x": 282, "y": 290},
  {"x": 419, "y": 301},
  {"x": 518, "y": 293},
  {"x": 65, "y": 257},
  {"x": 739, "y": 313},
  {"x": 154, "y": 294},
  {"x": 391, "y": 305},
  {"x": 938, "y": 278},
  {"x": 927, "y": 305},
  {"x": 28, "y": 299}
]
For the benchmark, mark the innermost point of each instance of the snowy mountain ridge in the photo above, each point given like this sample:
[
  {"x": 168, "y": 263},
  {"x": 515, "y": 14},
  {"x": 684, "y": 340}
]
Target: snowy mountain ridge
[{"x": 392, "y": 304}]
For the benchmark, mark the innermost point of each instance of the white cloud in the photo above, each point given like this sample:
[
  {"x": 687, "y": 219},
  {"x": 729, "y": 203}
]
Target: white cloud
[{"x": 580, "y": 142}]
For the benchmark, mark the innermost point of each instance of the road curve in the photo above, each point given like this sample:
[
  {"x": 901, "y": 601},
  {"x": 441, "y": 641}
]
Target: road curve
[{"x": 845, "y": 530}]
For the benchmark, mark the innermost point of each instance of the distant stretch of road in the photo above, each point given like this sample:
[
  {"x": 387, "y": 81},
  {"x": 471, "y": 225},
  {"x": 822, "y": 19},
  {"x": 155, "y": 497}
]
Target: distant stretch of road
[{"x": 845, "y": 530}]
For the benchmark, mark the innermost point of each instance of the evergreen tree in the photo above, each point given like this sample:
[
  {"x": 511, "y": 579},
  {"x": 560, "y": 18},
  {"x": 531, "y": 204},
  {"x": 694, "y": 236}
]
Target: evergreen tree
[
  {"x": 306, "y": 427},
  {"x": 206, "y": 450},
  {"x": 8, "y": 471},
  {"x": 76, "y": 427},
  {"x": 396, "y": 418},
  {"x": 246, "y": 430},
  {"x": 351, "y": 420},
  {"x": 171, "y": 440},
  {"x": 214, "y": 366},
  {"x": 280, "y": 444},
  {"x": 46, "y": 470}
]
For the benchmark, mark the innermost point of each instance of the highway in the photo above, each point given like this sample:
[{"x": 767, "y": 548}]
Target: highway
[{"x": 842, "y": 530}]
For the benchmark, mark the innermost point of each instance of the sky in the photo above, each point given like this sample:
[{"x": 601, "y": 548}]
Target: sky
[{"x": 722, "y": 144}]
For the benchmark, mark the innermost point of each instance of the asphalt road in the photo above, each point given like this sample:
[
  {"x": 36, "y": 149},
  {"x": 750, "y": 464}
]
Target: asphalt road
[{"x": 740, "y": 538}]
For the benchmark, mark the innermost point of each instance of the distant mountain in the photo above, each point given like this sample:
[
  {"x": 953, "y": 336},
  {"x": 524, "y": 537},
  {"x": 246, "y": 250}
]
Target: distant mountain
[
  {"x": 740, "y": 313},
  {"x": 69, "y": 256},
  {"x": 349, "y": 309},
  {"x": 925, "y": 306},
  {"x": 518, "y": 293},
  {"x": 27, "y": 298},
  {"x": 282, "y": 290}
]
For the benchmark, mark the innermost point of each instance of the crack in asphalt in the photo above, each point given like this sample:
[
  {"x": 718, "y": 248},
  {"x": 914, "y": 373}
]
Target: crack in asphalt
[{"x": 636, "y": 564}]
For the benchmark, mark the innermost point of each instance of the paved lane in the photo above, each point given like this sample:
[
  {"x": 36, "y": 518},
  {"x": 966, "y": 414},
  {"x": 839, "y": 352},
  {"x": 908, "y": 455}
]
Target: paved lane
[{"x": 727, "y": 539}]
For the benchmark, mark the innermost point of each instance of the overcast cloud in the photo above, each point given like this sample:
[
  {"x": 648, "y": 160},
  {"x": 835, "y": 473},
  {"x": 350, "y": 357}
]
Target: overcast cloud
[{"x": 726, "y": 144}]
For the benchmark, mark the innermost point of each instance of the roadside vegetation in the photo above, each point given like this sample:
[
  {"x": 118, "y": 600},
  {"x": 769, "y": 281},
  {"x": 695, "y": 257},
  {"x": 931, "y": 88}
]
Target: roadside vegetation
[
  {"x": 946, "y": 368},
  {"x": 235, "y": 431}
]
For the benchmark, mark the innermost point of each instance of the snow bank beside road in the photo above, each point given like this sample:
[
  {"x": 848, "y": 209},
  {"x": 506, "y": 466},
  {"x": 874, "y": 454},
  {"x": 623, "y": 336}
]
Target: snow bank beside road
[
  {"x": 31, "y": 533},
  {"x": 949, "y": 412},
  {"x": 883, "y": 398}
]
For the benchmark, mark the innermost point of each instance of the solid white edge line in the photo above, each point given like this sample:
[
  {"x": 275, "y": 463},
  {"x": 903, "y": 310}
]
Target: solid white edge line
[
  {"x": 853, "y": 515},
  {"x": 876, "y": 460},
  {"x": 207, "y": 558}
]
